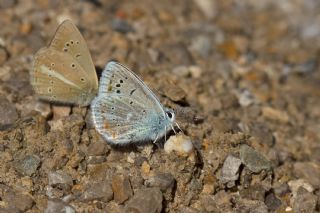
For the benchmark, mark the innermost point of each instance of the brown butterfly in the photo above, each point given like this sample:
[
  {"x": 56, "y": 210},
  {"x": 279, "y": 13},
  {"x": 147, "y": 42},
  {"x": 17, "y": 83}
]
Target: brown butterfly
[{"x": 64, "y": 71}]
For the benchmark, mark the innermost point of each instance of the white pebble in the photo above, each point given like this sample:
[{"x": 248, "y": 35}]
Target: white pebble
[{"x": 181, "y": 144}]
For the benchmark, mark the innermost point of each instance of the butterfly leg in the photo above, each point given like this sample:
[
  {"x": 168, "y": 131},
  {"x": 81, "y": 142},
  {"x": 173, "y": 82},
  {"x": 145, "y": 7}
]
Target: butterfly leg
[
  {"x": 165, "y": 133},
  {"x": 178, "y": 127},
  {"x": 155, "y": 141},
  {"x": 173, "y": 129}
]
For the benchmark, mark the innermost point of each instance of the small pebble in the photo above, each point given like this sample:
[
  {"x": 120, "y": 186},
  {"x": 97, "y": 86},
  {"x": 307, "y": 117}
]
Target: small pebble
[
  {"x": 3, "y": 55},
  {"x": 201, "y": 45},
  {"x": 28, "y": 165},
  {"x": 254, "y": 192},
  {"x": 56, "y": 205},
  {"x": 181, "y": 144},
  {"x": 272, "y": 202},
  {"x": 145, "y": 169},
  {"x": 98, "y": 191},
  {"x": 121, "y": 188},
  {"x": 23, "y": 202},
  {"x": 196, "y": 71},
  {"x": 246, "y": 98},
  {"x": 253, "y": 159},
  {"x": 181, "y": 70},
  {"x": 131, "y": 158},
  {"x": 304, "y": 169},
  {"x": 262, "y": 133},
  {"x": 304, "y": 201},
  {"x": 8, "y": 113},
  {"x": 60, "y": 112},
  {"x": 296, "y": 184},
  {"x": 174, "y": 92},
  {"x": 230, "y": 171},
  {"x": 121, "y": 26},
  {"x": 145, "y": 201},
  {"x": 275, "y": 115},
  {"x": 60, "y": 178},
  {"x": 97, "y": 148},
  {"x": 25, "y": 28},
  {"x": 43, "y": 108},
  {"x": 207, "y": 7},
  {"x": 164, "y": 181}
]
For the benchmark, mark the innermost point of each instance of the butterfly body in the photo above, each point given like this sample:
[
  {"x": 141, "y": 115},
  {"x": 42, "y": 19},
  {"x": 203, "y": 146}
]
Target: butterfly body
[{"x": 126, "y": 110}]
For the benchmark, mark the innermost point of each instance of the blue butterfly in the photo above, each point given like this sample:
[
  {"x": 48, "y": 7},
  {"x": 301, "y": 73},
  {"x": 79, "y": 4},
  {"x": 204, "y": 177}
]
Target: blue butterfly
[{"x": 126, "y": 110}]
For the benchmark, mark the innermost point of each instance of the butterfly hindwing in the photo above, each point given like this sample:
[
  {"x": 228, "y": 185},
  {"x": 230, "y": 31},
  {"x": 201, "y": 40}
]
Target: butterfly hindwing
[{"x": 57, "y": 77}]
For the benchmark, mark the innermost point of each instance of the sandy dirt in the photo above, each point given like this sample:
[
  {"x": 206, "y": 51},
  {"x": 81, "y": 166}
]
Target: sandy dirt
[{"x": 242, "y": 76}]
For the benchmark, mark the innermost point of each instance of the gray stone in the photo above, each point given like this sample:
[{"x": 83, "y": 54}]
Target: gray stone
[
  {"x": 304, "y": 201},
  {"x": 207, "y": 7},
  {"x": 56, "y": 205},
  {"x": 262, "y": 133},
  {"x": 230, "y": 171},
  {"x": 222, "y": 200},
  {"x": 272, "y": 202},
  {"x": 98, "y": 191},
  {"x": 296, "y": 184},
  {"x": 164, "y": 181},
  {"x": 245, "y": 98},
  {"x": 96, "y": 159},
  {"x": 250, "y": 206},
  {"x": 28, "y": 165},
  {"x": 254, "y": 192},
  {"x": 281, "y": 190},
  {"x": 60, "y": 178},
  {"x": 253, "y": 159},
  {"x": 121, "y": 188},
  {"x": 121, "y": 26},
  {"x": 18, "y": 201},
  {"x": 8, "y": 113},
  {"x": 97, "y": 148},
  {"x": 178, "y": 53},
  {"x": 309, "y": 171},
  {"x": 145, "y": 201},
  {"x": 201, "y": 45}
]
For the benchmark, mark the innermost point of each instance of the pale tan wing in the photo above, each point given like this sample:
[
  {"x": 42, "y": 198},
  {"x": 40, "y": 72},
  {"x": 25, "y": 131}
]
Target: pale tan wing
[
  {"x": 57, "y": 77},
  {"x": 69, "y": 40}
]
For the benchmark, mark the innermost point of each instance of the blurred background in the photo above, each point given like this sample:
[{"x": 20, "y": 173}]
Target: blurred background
[{"x": 236, "y": 72}]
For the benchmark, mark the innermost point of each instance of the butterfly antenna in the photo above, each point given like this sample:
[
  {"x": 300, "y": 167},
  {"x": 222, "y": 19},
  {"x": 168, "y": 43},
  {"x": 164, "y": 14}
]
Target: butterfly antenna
[
  {"x": 173, "y": 129},
  {"x": 165, "y": 133},
  {"x": 178, "y": 127}
]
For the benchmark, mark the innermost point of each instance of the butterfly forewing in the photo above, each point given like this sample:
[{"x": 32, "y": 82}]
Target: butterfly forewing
[
  {"x": 57, "y": 77},
  {"x": 69, "y": 40},
  {"x": 118, "y": 81}
]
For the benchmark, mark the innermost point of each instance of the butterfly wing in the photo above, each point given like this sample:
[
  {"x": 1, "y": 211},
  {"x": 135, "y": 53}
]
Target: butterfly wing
[
  {"x": 126, "y": 109},
  {"x": 69, "y": 40},
  {"x": 57, "y": 77}
]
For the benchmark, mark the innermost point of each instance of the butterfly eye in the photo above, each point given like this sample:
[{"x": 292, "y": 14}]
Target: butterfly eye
[{"x": 170, "y": 114}]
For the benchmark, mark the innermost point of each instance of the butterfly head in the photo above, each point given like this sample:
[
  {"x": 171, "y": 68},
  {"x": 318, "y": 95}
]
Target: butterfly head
[{"x": 170, "y": 115}]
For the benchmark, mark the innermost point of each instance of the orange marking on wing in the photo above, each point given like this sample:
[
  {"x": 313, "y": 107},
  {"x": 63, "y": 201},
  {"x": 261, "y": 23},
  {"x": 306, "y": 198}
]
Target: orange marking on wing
[
  {"x": 110, "y": 86},
  {"x": 114, "y": 135},
  {"x": 106, "y": 125}
]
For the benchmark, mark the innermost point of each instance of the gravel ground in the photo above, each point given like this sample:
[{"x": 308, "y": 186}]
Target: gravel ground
[{"x": 243, "y": 77}]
